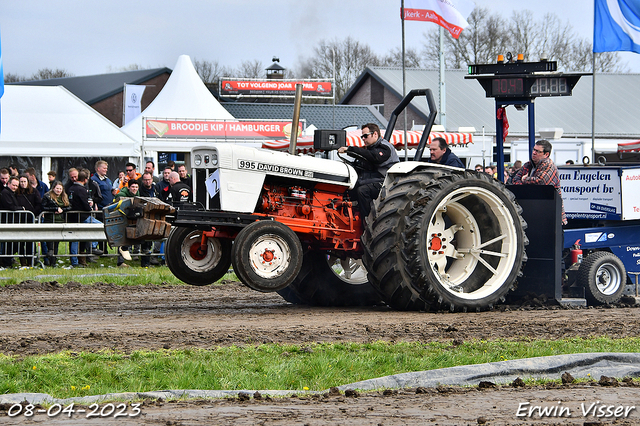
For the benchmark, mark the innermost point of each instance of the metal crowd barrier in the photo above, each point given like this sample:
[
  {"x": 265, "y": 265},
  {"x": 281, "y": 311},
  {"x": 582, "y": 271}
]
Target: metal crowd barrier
[{"x": 21, "y": 231}]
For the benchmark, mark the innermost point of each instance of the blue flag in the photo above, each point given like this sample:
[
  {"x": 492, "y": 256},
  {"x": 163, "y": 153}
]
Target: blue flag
[{"x": 616, "y": 26}]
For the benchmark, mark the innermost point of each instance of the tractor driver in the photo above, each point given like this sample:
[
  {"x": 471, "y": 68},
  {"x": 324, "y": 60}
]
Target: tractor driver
[{"x": 374, "y": 160}]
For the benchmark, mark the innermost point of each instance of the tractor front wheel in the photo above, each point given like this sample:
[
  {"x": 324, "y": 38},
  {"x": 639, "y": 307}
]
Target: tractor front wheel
[
  {"x": 192, "y": 261},
  {"x": 266, "y": 255}
]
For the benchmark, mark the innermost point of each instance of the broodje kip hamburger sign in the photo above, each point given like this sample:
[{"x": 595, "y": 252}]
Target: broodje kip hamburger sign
[{"x": 217, "y": 129}]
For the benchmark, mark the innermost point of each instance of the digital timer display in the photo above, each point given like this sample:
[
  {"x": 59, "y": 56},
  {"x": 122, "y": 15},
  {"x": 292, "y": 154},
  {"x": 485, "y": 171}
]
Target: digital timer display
[
  {"x": 511, "y": 87},
  {"x": 507, "y": 87},
  {"x": 550, "y": 86}
]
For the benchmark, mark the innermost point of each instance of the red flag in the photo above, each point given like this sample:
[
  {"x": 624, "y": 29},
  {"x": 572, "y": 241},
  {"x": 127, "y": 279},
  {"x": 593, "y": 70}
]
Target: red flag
[
  {"x": 450, "y": 14},
  {"x": 502, "y": 115}
]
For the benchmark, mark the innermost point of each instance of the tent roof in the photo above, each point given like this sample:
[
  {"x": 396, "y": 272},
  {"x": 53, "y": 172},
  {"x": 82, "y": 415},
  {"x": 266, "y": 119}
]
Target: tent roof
[
  {"x": 321, "y": 116},
  {"x": 184, "y": 96},
  {"x": 50, "y": 121},
  {"x": 94, "y": 88}
]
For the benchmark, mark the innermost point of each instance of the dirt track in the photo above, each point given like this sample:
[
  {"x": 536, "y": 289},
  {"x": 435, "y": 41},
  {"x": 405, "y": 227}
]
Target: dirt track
[{"x": 48, "y": 317}]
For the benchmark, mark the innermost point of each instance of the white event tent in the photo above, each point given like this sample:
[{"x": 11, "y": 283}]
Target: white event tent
[
  {"x": 50, "y": 121},
  {"x": 184, "y": 96}
]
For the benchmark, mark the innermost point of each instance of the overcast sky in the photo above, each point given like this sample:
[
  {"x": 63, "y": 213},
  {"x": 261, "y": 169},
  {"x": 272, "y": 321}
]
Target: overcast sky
[{"x": 88, "y": 37}]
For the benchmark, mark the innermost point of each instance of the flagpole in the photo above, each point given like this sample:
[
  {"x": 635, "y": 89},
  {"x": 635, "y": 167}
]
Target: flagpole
[
  {"x": 404, "y": 86},
  {"x": 593, "y": 110},
  {"x": 443, "y": 113},
  {"x": 124, "y": 103}
]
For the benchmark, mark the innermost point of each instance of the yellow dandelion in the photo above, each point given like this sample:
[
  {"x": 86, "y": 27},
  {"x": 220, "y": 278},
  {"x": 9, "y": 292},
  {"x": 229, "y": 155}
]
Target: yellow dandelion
[
  {"x": 305, "y": 388},
  {"x": 86, "y": 387},
  {"x": 34, "y": 367},
  {"x": 73, "y": 388}
]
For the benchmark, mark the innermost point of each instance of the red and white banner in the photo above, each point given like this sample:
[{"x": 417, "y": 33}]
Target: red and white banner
[
  {"x": 271, "y": 88},
  {"x": 217, "y": 129},
  {"x": 629, "y": 147},
  {"x": 305, "y": 144},
  {"x": 450, "y": 14}
]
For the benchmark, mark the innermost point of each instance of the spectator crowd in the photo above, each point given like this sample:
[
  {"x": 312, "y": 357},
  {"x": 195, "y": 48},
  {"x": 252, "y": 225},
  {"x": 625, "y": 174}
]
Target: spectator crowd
[{"x": 26, "y": 199}]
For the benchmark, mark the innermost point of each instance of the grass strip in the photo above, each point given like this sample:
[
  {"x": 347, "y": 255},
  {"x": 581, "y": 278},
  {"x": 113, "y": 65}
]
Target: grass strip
[
  {"x": 97, "y": 272},
  {"x": 316, "y": 366}
]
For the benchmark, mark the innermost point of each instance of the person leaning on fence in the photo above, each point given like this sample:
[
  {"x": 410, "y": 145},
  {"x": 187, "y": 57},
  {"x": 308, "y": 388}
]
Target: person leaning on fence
[
  {"x": 81, "y": 202},
  {"x": 94, "y": 190},
  {"x": 104, "y": 183},
  {"x": 55, "y": 204},
  {"x": 29, "y": 198},
  {"x": 73, "y": 177},
  {"x": 8, "y": 201}
]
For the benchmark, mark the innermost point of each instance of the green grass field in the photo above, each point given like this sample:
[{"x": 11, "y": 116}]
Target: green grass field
[{"x": 288, "y": 367}]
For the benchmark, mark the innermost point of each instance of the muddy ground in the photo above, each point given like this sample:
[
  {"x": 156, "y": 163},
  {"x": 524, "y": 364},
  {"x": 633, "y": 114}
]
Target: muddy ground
[{"x": 38, "y": 318}]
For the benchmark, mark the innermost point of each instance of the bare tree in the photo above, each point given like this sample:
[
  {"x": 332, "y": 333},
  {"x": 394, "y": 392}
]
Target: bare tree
[
  {"x": 251, "y": 69},
  {"x": 14, "y": 78},
  {"x": 489, "y": 35},
  {"x": 349, "y": 56},
  {"x": 210, "y": 72},
  {"x": 393, "y": 58},
  {"x": 48, "y": 73}
]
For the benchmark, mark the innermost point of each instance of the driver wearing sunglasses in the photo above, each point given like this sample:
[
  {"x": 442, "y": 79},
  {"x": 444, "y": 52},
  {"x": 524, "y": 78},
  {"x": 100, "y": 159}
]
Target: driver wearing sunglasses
[{"x": 372, "y": 162}]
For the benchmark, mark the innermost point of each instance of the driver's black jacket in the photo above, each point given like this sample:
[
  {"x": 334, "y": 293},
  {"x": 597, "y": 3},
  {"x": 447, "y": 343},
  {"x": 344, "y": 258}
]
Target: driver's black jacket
[{"x": 380, "y": 156}]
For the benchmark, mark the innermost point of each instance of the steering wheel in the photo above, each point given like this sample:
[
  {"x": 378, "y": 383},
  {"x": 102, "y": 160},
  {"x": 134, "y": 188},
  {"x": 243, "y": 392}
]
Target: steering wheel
[{"x": 352, "y": 163}]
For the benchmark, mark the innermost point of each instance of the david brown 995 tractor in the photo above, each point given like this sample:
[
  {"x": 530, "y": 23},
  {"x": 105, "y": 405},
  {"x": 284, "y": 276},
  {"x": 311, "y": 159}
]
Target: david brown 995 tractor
[{"x": 437, "y": 237}]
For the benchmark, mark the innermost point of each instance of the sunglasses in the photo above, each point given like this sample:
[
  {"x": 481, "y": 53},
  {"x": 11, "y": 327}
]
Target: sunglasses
[
  {"x": 366, "y": 135},
  {"x": 129, "y": 170}
]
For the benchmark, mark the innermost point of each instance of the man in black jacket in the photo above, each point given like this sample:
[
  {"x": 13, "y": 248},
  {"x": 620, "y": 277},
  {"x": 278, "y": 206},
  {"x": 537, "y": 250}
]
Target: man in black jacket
[
  {"x": 179, "y": 192},
  {"x": 148, "y": 187},
  {"x": 81, "y": 201},
  {"x": 8, "y": 201},
  {"x": 441, "y": 154},
  {"x": 376, "y": 158}
]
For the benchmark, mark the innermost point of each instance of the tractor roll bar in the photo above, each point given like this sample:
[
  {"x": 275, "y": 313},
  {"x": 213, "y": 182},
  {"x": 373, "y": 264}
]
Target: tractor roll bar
[{"x": 433, "y": 111}]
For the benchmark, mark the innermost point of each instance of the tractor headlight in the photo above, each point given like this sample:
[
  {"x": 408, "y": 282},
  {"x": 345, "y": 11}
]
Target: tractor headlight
[
  {"x": 214, "y": 159},
  {"x": 197, "y": 160}
]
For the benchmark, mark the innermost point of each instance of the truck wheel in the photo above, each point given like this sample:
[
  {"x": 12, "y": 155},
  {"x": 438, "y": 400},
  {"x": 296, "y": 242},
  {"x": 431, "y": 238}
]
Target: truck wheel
[
  {"x": 603, "y": 276},
  {"x": 444, "y": 239},
  {"x": 192, "y": 265},
  {"x": 329, "y": 281},
  {"x": 266, "y": 255}
]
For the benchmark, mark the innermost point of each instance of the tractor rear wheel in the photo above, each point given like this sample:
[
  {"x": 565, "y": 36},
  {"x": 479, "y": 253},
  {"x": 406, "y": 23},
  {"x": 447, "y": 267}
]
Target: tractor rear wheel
[
  {"x": 444, "y": 239},
  {"x": 326, "y": 280},
  {"x": 193, "y": 263},
  {"x": 266, "y": 255},
  {"x": 603, "y": 276}
]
